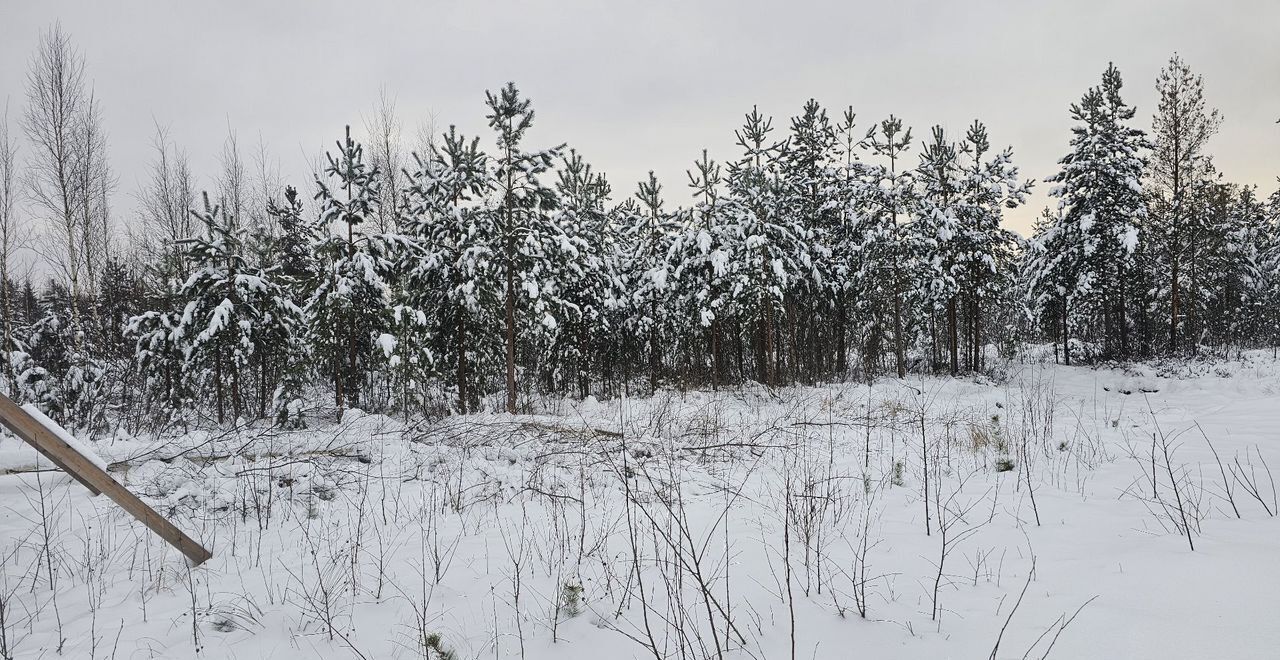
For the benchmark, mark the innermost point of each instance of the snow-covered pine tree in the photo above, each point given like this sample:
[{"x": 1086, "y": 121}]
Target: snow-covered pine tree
[
  {"x": 454, "y": 275},
  {"x": 349, "y": 311},
  {"x": 589, "y": 281},
  {"x": 885, "y": 259},
  {"x": 213, "y": 329},
  {"x": 55, "y": 371},
  {"x": 1269, "y": 258},
  {"x": 1230, "y": 254},
  {"x": 649, "y": 230},
  {"x": 1082, "y": 265},
  {"x": 772, "y": 249},
  {"x": 935, "y": 233},
  {"x": 522, "y": 207},
  {"x": 988, "y": 269},
  {"x": 278, "y": 334},
  {"x": 296, "y": 273},
  {"x": 809, "y": 200},
  {"x": 239, "y": 329},
  {"x": 158, "y": 352},
  {"x": 845, "y": 240},
  {"x": 699, "y": 259},
  {"x": 296, "y": 235}
]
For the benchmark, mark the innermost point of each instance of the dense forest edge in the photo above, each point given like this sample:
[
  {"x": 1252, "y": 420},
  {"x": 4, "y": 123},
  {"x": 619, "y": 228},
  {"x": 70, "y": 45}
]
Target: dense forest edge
[{"x": 481, "y": 272}]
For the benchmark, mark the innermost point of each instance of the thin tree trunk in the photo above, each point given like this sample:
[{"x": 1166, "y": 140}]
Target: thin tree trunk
[
  {"x": 511, "y": 338},
  {"x": 715, "y": 353},
  {"x": 7, "y": 313},
  {"x": 655, "y": 355},
  {"x": 462, "y": 363},
  {"x": 842, "y": 348},
  {"x": 953, "y": 335},
  {"x": 899, "y": 349},
  {"x": 1066, "y": 341},
  {"x": 217, "y": 378},
  {"x": 262, "y": 384}
]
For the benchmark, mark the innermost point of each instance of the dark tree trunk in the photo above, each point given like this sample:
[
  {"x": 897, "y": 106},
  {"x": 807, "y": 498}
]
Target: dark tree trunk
[
  {"x": 1066, "y": 341},
  {"x": 953, "y": 336},
  {"x": 511, "y": 334},
  {"x": 462, "y": 363},
  {"x": 899, "y": 344}
]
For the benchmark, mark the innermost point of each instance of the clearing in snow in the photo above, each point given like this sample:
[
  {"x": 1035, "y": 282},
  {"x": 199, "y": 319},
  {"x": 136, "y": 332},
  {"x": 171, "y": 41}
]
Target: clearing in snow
[{"x": 1056, "y": 511}]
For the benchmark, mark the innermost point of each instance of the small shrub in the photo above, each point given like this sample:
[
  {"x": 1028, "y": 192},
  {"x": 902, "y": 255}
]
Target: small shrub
[
  {"x": 571, "y": 598},
  {"x": 897, "y": 473},
  {"x": 1004, "y": 465},
  {"x": 991, "y": 435},
  {"x": 436, "y": 649},
  {"x": 324, "y": 492}
]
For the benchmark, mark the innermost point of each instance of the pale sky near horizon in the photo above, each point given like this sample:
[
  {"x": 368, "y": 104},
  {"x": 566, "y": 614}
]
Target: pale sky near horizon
[{"x": 636, "y": 86}]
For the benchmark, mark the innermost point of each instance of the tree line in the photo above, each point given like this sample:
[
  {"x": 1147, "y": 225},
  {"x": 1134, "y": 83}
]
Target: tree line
[{"x": 471, "y": 271}]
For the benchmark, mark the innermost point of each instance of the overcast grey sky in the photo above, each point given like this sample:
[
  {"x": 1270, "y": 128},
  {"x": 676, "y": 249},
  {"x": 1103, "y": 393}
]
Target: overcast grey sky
[{"x": 646, "y": 85}]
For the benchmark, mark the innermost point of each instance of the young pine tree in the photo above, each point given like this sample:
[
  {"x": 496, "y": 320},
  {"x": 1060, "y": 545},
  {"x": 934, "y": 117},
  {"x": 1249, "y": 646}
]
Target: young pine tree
[
  {"x": 589, "y": 282},
  {"x": 885, "y": 248},
  {"x": 349, "y": 310},
  {"x": 214, "y": 327},
  {"x": 1082, "y": 267},
  {"x": 454, "y": 275},
  {"x": 1180, "y": 171},
  {"x": 521, "y": 208}
]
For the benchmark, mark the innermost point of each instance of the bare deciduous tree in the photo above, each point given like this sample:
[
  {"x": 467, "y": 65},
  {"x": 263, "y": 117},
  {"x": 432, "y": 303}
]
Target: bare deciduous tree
[
  {"x": 386, "y": 156},
  {"x": 165, "y": 202},
  {"x": 267, "y": 187},
  {"x": 95, "y": 184},
  {"x": 233, "y": 181},
  {"x": 56, "y": 103},
  {"x": 10, "y": 231},
  {"x": 69, "y": 180}
]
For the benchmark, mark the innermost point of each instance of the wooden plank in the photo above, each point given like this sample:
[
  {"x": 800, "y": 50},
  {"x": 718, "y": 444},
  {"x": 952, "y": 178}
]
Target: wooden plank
[
  {"x": 94, "y": 478},
  {"x": 28, "y": 428}
]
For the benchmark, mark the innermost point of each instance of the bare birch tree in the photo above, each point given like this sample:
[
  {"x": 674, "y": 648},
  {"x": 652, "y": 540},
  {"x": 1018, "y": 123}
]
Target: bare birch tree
[
  {"x": 10, "y": 232},
  {"x": 165, "y": 201},
  {"x": 56, "y": 104},
  {"x": 233, "y": 181},
  {"x": 386, "y": 155}
]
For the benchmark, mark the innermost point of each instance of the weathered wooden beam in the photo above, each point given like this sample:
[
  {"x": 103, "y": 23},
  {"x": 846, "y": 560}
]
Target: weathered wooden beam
[{"x": 45, "y": 441}]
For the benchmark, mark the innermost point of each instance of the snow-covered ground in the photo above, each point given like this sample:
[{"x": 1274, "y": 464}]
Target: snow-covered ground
[{"x": 741, "y": 523}]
